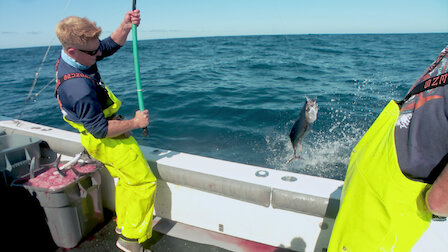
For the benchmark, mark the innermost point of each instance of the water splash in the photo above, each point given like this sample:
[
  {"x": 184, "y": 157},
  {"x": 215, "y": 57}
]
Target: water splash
[{"x": 324, "y": 155}]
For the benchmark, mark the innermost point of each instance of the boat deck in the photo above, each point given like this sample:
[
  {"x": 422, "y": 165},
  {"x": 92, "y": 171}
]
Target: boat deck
[
  {"x": 27, "y": 230},
  {"x": 170, "y": 236}
]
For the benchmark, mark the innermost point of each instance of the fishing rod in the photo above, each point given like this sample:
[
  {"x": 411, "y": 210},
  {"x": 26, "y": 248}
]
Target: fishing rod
[{"x": 137, "y": 69}]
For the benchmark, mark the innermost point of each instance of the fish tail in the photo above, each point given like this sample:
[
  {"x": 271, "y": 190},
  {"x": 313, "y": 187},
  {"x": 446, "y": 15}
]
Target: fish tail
[
  {"x": 294, "y": 157},
  {"x": 291, "y": 159}
]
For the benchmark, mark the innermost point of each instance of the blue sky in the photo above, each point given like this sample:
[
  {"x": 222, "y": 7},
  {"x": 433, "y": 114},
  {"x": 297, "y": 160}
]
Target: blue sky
[{"x": 27, "y": 23}]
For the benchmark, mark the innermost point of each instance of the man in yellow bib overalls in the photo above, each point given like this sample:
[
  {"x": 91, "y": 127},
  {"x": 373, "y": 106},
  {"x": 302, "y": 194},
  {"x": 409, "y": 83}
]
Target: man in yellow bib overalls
[
  {"x": 88, "y": 105},
  {"x": 396, "y": 179}
]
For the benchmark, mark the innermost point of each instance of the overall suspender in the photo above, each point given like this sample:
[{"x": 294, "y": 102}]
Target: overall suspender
[
  {"x": 69, "y": 76},
  {"x": 436, "y": 81}
]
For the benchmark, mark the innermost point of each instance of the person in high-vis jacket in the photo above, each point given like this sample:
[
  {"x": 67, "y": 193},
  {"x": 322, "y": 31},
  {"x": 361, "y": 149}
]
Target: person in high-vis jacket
[
  {"x": 89, "y": 105},
  {"x": 397, "y": 179}
]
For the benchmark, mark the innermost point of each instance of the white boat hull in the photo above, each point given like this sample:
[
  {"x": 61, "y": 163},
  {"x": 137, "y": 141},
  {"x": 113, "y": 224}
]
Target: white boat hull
[{"x": 249, "y": 202}]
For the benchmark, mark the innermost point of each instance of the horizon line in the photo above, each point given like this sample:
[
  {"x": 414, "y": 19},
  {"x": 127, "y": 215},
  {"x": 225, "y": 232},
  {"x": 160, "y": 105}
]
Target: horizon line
[{"x": 247, "y": 35}]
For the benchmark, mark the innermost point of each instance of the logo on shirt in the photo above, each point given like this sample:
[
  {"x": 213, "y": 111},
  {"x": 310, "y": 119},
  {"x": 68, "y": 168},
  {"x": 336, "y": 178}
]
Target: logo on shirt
[{"x": 404, "y": 120}]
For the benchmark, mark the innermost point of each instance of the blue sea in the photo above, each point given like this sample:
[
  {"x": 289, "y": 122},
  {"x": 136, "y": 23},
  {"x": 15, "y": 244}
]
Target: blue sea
[{"x": 236, "y": 98}]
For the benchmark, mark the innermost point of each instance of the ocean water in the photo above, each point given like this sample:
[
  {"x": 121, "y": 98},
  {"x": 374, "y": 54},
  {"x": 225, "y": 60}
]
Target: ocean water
[{"x": 236, "y": 98}]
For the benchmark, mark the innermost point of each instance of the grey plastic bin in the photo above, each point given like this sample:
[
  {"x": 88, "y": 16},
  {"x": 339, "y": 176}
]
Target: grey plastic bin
[
  {"x": 72, "y": 211},
  {"x": 16, "y": 153}
]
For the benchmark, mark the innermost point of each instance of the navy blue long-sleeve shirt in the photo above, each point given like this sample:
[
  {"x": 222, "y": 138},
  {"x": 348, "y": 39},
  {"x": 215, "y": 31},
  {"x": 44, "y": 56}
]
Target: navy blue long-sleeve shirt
[{"x": 83, "y": 100}]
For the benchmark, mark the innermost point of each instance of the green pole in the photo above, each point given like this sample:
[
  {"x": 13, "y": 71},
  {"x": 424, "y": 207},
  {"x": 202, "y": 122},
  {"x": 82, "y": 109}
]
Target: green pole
[{"x": 137, "y": 69}]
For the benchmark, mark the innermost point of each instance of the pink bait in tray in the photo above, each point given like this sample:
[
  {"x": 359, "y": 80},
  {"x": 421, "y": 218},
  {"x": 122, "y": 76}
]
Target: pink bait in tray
[{"x": 51, "y": 179}]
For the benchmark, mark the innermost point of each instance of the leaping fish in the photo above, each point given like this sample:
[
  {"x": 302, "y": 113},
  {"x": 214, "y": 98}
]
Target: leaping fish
[{"x": 303, "y": 126}]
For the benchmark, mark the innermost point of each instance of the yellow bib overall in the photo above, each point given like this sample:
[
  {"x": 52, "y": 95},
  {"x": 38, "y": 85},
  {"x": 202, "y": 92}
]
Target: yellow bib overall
[
  {"x": 135, "y": 190},
  {"x": 381, "y": 209}
]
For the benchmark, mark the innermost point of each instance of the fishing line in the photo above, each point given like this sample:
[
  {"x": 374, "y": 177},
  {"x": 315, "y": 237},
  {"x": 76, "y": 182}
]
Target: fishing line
[
  {"x": 37, "y": 74},
  {"x": 285, "y": 35},
  {"x": 42, "y": 89}
]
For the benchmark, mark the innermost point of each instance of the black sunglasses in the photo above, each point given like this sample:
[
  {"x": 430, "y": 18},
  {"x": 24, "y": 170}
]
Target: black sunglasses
[{"x": 91, "y": 53}]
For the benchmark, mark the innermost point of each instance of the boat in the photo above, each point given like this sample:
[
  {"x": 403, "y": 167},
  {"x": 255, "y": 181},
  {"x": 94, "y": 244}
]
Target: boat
[{"x": 226, "y": 205}]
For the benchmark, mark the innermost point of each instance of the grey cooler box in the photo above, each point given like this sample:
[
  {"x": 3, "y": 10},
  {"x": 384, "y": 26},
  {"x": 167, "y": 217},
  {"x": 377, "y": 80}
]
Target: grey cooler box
[{"x": 72, "y": 211}]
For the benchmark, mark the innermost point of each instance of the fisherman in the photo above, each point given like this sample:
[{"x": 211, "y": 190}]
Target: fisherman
[
  {"x": 88, "y": 105},
  {"x": 397, "y": 178}
]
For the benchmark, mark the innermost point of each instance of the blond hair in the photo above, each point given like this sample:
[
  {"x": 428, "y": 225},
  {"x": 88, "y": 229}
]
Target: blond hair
[{"x": 76, "y": 32}]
